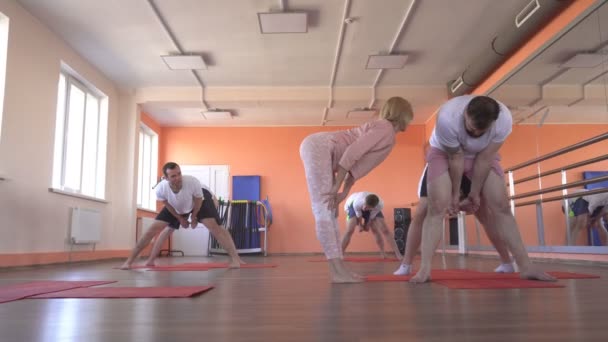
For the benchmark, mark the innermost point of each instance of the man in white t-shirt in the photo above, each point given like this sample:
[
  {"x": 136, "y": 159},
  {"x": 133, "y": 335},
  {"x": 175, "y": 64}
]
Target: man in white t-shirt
[
  {"x": 183, "y": 197},
  {"x": 468, "y": 134},
  {"x": 364, "y": 209}
]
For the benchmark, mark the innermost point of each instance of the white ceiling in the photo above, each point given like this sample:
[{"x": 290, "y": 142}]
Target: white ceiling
[
  {"x": 277, "y": 79},
  {"x": 576, "y": 95}
]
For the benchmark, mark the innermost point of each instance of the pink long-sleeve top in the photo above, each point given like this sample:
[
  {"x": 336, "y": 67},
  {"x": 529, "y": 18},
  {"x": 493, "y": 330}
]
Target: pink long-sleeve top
[{"x": 360, "y": 149}]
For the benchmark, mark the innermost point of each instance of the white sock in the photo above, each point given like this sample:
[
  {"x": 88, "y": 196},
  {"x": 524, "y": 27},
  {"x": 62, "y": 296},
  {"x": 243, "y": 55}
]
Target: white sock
[
  {"x": 505, "y": 268},
  {"x": 403, "y": 270}
]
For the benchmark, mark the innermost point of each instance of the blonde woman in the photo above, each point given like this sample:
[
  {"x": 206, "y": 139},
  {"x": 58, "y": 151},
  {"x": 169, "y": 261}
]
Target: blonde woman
[{"x": 333, "y": 161}]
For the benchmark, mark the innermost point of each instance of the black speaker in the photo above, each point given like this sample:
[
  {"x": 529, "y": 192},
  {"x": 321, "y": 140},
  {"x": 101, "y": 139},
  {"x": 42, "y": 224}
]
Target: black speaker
[
  {"x": 454, "y": 231},
  {"x": 403, "y": 218}
]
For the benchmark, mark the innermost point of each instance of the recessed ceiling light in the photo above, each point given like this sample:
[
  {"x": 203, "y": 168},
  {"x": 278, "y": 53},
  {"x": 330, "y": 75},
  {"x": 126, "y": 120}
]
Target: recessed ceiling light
[
  {"x": 217, "y": 114},
  {"x": 185, "y": 62},
  {"x": 361, "y": 113},
  {"x": 283, "y": 22},
  {"x": 585, "y": 60},
  {"x": 386, "y": 61}
]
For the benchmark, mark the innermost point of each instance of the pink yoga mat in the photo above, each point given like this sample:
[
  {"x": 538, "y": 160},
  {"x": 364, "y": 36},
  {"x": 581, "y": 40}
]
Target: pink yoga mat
[
  {"x": 488, "y": 284},
  {"x": 128, "y": 292},
  {"x": 360, "y": 259},
  {"x": 225, "y": 265},
  {"x": 10, "y": 293},
  {"x": 436, "y": 274},
  {"x": 465, "y": 274}
]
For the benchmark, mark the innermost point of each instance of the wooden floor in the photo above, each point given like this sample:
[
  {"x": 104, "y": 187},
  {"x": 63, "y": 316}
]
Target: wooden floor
[{"x": 295, "y": 302}]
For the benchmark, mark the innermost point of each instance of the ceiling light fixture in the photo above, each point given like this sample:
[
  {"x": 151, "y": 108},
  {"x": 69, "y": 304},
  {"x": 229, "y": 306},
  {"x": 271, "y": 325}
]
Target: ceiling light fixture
[
  {"x": 386, "y": 61},
  {"x": 185, "y": 62}
]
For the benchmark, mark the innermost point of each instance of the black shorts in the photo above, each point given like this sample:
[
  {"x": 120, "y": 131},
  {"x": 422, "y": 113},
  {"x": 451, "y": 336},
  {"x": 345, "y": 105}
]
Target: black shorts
[
  {"x": 364, "y": 213},
  {"x": 208, "y": 210},
  {"x": 581, "y": 207},
  {"x": 465, "y": 186}
]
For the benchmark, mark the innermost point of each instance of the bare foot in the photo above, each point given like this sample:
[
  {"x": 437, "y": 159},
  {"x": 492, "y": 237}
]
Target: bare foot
[
  {"x": 126, "y": 266},
  {"x": 150, "y": 264},
  {"x": 535, "y": 274},
  {"x": 340, "y": 274},
  {"x": 235, "y": 263},
  {"x": 421, "y": 277},
  {"x": 356, "y": 275},
  {"x": 345, "y": 279}
]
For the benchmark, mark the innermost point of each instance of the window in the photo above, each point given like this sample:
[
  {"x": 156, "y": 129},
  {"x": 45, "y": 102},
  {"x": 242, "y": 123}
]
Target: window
[
  {"x": 3, "y": 52},
  {"x": 80, "y": 138},
  {"x": 147, "y": 168}
]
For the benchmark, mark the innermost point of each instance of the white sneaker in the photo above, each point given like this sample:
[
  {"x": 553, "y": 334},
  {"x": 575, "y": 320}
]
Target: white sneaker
[
  {"x": 505, "y": 268},
  {"x": 403, "y": 270}
]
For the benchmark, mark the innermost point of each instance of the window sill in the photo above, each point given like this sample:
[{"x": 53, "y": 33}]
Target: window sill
[
  {"x": 71, "y": 194},
  {"x": 147, "y": 210}
]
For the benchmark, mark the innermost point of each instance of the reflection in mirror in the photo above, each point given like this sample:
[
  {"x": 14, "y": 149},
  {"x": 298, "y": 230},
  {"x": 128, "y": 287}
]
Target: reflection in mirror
[{"x": 559, "y": 99}]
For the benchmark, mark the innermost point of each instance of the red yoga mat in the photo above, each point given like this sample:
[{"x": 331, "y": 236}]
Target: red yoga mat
[
  {"x": 436, "y": 274},
  {"x": 10, "y": 293},
  {"x": 556, "y": 274},
  {"x": 488, "y": 284},
  {"x": 359, "y": 259},
  {"x": 177, "y": 268},
  {"x": 202, "y": 266},
  {"x": 223, "y": 265},
  {"x": 570, "y": 275},
  {"x": 465, "y": 274},
  {"x": 128, "y": 292}
]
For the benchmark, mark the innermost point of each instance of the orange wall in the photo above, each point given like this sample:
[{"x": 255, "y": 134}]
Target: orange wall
[
  {"x": 273, "y": 153},
  {"x": 522, "y": 146},
  {"x": 148, "y": 121},
  {"x": 276, "y": 159}
]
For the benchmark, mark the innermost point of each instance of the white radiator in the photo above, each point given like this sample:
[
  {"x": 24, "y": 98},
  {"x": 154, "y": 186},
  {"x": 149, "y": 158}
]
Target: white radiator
[{"x": 86, "y": 226}]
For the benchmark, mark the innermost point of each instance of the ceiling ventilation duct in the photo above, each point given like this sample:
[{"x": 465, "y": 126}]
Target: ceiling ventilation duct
[{"x": 528, "y": 21}]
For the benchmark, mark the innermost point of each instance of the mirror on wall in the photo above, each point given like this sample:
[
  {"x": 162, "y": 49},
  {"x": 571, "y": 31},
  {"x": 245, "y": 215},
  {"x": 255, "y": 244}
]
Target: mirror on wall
[{"x": 560, "y": 98}]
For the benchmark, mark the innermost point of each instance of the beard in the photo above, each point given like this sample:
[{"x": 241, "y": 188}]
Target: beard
[{"x": 473, "y": 135}]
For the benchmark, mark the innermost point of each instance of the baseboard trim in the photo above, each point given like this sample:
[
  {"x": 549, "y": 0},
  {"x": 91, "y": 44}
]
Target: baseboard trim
[{"x": 47, "y": 258}]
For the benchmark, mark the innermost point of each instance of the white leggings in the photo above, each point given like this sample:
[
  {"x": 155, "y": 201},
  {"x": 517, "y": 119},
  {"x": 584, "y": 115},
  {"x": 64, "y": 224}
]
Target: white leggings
[{"x": 315, "y": 152}]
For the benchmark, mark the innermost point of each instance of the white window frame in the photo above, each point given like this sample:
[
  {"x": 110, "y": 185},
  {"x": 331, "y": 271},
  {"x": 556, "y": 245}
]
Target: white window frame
[
  {"x": 4, "y": 27},
  {"x": 148, "y": 203},
  {"x": 59, "y": 171}
]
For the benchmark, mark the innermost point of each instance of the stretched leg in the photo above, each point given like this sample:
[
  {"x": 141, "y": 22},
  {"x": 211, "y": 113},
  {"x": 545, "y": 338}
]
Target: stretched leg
[
  {"x": 390, "y": 239},
  {"x": 439, "y": 191},
  {"x": 485, "y": 218},
  {"x": 603, "y": 229},
  {"x": 414, "y": 237},
  {"x": 143, "y": 242},
  {"x": 224, "y": 239},
  {"x": 316, "y": 158},
  {"x": 164, "y": 235},
  {"x": 350, "y": 229},
  {"x": 495, "y": 197},
  {"x": 379, "y": 240},
  {"x": 577, "y": 224}
]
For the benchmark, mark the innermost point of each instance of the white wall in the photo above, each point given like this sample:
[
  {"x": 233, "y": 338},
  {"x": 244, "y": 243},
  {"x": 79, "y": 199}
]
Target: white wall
[{"x": 31, "y": 218}]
